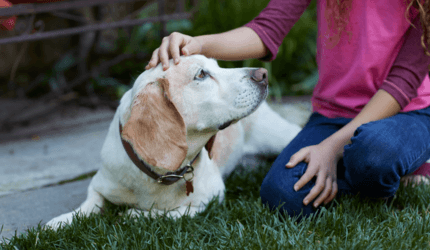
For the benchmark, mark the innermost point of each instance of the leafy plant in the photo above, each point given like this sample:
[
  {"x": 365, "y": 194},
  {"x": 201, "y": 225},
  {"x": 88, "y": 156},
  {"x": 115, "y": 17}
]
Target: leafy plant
[{"x": 294, "y": 71}]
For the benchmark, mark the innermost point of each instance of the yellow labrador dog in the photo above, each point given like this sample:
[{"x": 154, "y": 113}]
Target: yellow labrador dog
[{"x": 177, "y": 133}]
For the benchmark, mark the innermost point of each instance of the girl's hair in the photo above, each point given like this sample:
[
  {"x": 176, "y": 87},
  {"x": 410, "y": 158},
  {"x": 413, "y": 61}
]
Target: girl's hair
[
  {"x": 424, "y": 10},
  {"x": 338, "y": 13}
]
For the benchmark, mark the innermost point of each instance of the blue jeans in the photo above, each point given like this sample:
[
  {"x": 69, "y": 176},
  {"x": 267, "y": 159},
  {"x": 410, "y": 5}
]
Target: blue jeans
[{"x": 381, "y": 153}]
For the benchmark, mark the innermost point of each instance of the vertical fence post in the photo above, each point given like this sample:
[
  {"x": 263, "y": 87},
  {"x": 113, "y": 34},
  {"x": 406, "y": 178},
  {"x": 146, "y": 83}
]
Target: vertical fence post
[
  {"x": 161, "y": 5},
  {"x": 180, "y": 6},
  {"x": 194, "y": 3}
]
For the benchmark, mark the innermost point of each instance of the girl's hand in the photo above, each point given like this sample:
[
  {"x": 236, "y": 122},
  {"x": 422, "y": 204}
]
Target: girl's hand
[
  {"x": 171, "y": 47},
  {"x": 322, "y": 162}
]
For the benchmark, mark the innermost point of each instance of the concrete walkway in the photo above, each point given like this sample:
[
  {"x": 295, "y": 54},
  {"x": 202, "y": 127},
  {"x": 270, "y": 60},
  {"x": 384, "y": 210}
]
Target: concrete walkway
[
  {"x": 23, "y": 210},
  {"x": 34, "y": 163},
  {"x": 62, "y": 149}
]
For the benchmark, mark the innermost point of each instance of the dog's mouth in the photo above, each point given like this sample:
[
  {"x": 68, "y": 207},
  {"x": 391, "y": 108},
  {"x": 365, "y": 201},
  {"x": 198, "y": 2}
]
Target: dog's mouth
[{"x": 226, "y": 124}]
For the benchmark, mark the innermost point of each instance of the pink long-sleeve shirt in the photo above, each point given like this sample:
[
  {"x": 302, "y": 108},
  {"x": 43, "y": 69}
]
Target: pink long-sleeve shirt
[{"x": 380, "y": 51}]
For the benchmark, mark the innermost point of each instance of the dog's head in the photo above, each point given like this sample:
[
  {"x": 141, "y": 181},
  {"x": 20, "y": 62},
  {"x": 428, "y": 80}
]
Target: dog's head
[{"x": 194, "y": 97}]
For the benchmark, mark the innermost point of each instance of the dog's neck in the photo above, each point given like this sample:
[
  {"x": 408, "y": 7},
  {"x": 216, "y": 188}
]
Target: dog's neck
[{"x": 196, "y": 142}]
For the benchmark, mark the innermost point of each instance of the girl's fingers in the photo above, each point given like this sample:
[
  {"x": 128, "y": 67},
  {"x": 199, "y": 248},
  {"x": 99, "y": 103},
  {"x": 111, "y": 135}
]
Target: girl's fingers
[
  {"x": 317, "y": 189},
  {"x": 154, "y": 59},
  {"x": 326, "y": 193},
  {"x": 300, "y": 156},
  {"x": 173, "y": 46},
  {"x": 306, "y": 177},
  {"x": 164, "y": 54},
  {"x": 192, "y": 46},
  {"x": 189, "y": 49},
  {"x": 333, "y": 193},
  {"x": 175, "y": 43}
]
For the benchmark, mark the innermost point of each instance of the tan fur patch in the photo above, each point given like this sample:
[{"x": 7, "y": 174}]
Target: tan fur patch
[{"x": 156, "y": 129}]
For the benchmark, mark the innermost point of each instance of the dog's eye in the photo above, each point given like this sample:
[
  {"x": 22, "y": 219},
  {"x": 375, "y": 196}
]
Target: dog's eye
[{"x": 201, "y": 75}]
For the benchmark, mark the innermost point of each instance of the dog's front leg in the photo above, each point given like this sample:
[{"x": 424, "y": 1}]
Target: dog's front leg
[{"x": 92, "y": 204}]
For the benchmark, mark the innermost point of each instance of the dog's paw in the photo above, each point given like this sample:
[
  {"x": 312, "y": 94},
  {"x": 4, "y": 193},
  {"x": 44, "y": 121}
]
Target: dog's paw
[
  {"x": 59, "y": 221},
  {"x": 133, "y": 212}
]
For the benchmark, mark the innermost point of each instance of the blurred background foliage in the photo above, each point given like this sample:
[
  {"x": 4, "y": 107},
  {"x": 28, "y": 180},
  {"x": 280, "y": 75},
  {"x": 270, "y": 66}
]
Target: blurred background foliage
[{"x": 294, "y": 72}]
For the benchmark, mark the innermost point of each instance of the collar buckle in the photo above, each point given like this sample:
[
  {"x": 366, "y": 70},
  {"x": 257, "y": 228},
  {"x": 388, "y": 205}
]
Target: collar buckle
[{"x": 189, "y": 170}]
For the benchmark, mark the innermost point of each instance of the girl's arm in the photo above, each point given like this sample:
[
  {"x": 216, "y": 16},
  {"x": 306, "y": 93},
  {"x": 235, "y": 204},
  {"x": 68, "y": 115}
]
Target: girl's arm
[
  {"x": 258, "y": 38},
  {"x": 238, "y": 44},
  {"x": 409, "y": 69}
]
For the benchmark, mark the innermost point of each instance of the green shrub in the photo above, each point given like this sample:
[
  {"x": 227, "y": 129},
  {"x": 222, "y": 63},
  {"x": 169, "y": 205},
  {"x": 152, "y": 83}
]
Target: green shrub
[{"x": 294, "y": 72}]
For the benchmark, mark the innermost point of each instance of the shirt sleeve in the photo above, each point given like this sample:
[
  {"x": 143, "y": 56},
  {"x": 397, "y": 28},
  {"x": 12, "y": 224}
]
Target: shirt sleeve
[
  {"x": 275, "y": 21},
  {"x": 409, "y": 68}
]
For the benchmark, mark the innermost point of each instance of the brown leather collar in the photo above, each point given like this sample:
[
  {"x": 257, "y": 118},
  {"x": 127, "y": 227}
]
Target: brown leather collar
[{"x": 167, "y": 178}]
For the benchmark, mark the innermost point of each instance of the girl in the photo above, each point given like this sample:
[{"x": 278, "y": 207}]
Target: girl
[{"x": 371, "y": 117}]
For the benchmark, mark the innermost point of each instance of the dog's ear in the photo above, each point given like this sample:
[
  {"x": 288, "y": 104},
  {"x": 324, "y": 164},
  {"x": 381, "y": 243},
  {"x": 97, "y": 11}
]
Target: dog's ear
[{"x": 155, "y": 129}]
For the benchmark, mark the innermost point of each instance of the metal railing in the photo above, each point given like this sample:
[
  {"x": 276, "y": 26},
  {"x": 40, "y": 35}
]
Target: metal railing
[{"x": 34, "y": 32}]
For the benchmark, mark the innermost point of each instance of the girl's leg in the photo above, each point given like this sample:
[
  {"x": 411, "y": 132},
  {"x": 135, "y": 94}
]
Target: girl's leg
[
  {"x": 277, "y": 188},
  {"x": 383, "y": 151},
  {"x": 380, "y": 153}
]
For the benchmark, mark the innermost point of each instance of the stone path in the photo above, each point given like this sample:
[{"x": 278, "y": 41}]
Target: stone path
[
  {"x": 44, "y": 160},
  {"x": 34, "y": 160},
  {"x": 22, "y": 210}
]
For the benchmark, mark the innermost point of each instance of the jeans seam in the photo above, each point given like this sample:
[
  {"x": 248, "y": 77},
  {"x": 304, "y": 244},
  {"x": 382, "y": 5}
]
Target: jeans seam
[{"x": 428, "y": 146}]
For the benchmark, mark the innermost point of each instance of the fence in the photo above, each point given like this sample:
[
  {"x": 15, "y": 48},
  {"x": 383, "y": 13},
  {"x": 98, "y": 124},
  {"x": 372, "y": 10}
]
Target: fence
[
  {"x": 33, "y": 9},
  {"x": 34, "y": 31}
]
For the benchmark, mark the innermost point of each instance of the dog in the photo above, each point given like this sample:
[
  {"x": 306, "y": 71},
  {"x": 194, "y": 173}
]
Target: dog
[{"x": 177, "y": 133}]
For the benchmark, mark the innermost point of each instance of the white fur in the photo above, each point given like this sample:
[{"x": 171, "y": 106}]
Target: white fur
[{"x": 204, "y": 105}]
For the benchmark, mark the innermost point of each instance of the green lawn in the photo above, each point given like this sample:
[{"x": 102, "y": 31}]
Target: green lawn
[{"x": 241, "y": 222}]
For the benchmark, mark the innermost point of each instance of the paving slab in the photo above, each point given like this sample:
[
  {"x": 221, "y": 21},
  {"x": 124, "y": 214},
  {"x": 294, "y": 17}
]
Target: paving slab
[
  {"x": 20, "y": 211},
  {"x": 49, "y": 159}
]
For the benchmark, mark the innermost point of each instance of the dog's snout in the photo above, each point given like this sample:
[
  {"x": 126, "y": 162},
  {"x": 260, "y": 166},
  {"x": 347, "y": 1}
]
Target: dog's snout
[{"x": 260, "y": 76}]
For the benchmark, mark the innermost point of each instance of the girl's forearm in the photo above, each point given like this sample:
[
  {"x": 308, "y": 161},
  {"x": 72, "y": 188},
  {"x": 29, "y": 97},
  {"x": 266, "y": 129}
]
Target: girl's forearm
[
  {"x": 238, "y": 44},
  {"x": 382, "y": 105}
]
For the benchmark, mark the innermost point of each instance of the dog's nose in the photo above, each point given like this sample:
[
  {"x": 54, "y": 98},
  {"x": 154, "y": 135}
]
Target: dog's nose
[{"x": 260, "y": 76}]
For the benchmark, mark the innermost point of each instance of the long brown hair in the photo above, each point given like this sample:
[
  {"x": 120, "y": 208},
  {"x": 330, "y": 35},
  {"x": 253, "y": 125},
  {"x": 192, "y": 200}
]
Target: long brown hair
[
  {"x": 339, "y": 12},
  {"x": 424, "y": 11}
]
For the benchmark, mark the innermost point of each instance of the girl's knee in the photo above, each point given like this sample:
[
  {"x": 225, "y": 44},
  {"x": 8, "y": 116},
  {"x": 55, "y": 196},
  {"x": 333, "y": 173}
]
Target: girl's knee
[
  {"x": 277, "y": 190},
  {"x": 372, "y": 162}
]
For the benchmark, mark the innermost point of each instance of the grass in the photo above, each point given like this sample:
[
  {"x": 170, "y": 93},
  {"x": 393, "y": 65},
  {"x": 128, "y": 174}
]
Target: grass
[{"x": 242, "y": 222}]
